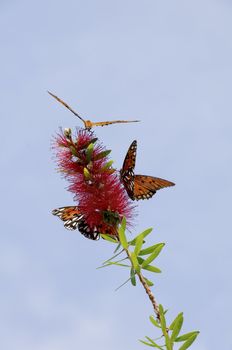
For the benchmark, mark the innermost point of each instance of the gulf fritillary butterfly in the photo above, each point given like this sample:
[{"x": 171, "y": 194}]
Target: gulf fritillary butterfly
[
  {"x": 73, "y": 219},
  {"x": 87, "y": 123},
  {"x": 139, "y": 186}
]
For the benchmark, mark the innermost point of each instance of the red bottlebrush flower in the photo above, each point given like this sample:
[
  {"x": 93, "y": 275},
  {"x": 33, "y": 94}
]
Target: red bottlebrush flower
[{"x": 102, "y": 200}]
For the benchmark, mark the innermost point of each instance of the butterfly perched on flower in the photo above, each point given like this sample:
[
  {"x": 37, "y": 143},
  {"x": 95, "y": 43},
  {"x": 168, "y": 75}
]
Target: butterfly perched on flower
[
  {"x": 74, "y": 219},
  {"x": 139, "y": 186},
  {"x": 87, "y": 123}
]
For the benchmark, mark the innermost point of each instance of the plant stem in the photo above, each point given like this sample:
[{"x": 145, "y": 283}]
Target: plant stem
[{"x": 147, "y": 289}]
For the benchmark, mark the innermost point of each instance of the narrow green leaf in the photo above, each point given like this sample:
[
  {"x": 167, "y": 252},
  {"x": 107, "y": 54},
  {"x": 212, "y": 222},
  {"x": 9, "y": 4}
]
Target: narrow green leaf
[
  {"x": 162, "y": 319},
  {"x": 168, "y": 342},
  {"x": 186, "y": 336},
  {"x": 88, "y": 143},
  {"x": 153, "y": 255},
  {"x": 188, "y": 342},
  {"x": 138, "y": 244},
  {"x": 150, "y": 249},
  {"x": 73, "y": 150},
  {"x": 133, "y": 278},
  {"x": 102, "y": 154},
  {"x": 123, "y": 284},
  {"x": 144, "y": 233},
  {"x": 87, "y": 174},
  {"x": 152, "y": 269},
  {"x": 148, "y": 344},
  {"x": 174, "y": 322},
  {"x": 109, "y": 238},
  {"x": 135, "y": 262},
  {"x": 106, "y": 166},
  {"x": 117, "y": 248},
  {"x": 123, "y": 223},
  {"x": 113, "y": 257},
  {"x": 150, "y": 283},
  {"x": 89, "y": 152},
  {"x": 121, "y": 233},
  {"x": 154, "y": 322},
  {"x": 154, "y": 343},
  {"x": 118, "y": 264},
  {"x": 176, "y": 326}
]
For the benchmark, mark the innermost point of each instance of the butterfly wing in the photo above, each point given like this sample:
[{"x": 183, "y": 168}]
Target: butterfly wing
[
  {"x": 127, "y": 171},
  {"x": 73, "y": 219},
  {"x": 146, "y": 186},
  {"x": 91, "y": 233},
  {"x": 70, "y": 215},
  {"x": 113, "y": 122}
]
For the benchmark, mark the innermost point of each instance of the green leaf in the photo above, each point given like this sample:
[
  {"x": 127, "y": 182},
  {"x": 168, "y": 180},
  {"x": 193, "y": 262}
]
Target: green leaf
[
  {"x": 186, "y": 336},
  {"x": 164, "y": 328},
  {"x": 154, "y": 322},
  {"x": 153, "y": 255},
  {"x": 188, "y": 342},
  {"x": 87, "y": 174},
  {"x": 135, "y": 262},
  {"x": 106, "y": 166},
  {"x": 152, "y": 269},
  {"x": 133, "y": 278},
  {"x": 150, "y": 283},
  {"x": 150, "y": 249},
  {"x": 144, "y": 233},
  {"x": 109, "y": 238},
  {"x": 88, "y": 143},
  {"x": 151, "y": 343},
  {"x": 138, "y": 244},
  {"x": 176, "y": 326},
  {"x": 73, "y": 151},
  {"x": 121, "y": 233},
  {"x": 148, "y": 344},
  {"x": 89, "y": 152},
  {"x": 123, "y": 284},
  {"x": 117, "y": 248},
  {"x": 102, "y": 154},
  {"x": 162, "y": 319}
]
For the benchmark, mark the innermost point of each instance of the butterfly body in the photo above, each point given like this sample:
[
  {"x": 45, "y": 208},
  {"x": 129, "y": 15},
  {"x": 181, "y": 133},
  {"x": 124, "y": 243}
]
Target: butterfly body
[{"x": 139, "y": 186}]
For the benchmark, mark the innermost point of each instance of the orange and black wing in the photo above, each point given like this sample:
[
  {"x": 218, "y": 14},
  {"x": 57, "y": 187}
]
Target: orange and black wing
[
  {"x": 70, "y": 215},
  {"x": 113, "y": 122},
  {"x": 127, "y": 171},
  {"x": 146, "y": 186},
  {"x": 73, "y": 219}
]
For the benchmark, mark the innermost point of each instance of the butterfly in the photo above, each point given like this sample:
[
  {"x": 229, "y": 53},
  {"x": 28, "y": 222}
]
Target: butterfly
[
  {"x": 87, "y": 123},
  {"x": 74, "y": 219},
  {"x": 139, "y": 186}
]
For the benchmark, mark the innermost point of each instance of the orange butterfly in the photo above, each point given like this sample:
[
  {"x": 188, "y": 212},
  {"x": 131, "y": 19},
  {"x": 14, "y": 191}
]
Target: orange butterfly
[
  {"x": 87, "y": 123},
  {"x": 139, "y": 186},
  {"x": 74, "y": 219}
]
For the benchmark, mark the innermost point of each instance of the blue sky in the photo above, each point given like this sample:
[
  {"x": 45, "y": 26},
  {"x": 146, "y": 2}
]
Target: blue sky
[{"x": 167, "y": 63}]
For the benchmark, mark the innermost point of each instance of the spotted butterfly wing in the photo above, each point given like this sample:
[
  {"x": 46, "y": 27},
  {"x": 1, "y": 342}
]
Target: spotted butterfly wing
[
  {"x": 146, "y": 186},
  {"x": 70, "y": 215},
  {"x": 127, "y": 171},
  {"x": 73, "y": 219}
]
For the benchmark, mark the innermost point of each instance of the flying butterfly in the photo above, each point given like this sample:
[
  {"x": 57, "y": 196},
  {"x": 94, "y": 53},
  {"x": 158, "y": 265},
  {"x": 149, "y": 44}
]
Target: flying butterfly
[
  {"x": 87, "y": 123},
  {"x": 73, "y": 219},
  {"x": 139, "y": 186}
]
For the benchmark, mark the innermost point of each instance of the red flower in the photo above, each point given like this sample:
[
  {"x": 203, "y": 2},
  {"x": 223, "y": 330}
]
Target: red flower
[{"x": 102, "y": 200}]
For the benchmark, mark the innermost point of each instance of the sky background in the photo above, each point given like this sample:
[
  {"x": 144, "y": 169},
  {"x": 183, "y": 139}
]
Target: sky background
[{"x": 167, "y": 63}]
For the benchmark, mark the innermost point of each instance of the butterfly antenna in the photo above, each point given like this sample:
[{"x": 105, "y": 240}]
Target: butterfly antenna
[{"x": 67, "y": 106}]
